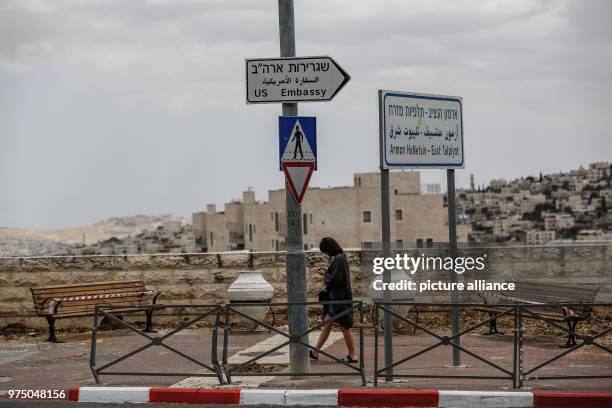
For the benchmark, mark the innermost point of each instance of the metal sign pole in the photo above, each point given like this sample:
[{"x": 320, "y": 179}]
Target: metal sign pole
[
  {"x": 452, "y": 247},
  {"x": 299, "y": 360},
  {"x": 386, "y": 246}
]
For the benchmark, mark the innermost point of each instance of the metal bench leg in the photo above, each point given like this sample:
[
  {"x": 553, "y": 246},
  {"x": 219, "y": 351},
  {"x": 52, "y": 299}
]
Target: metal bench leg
[
  {"x": 495, "y": 331},
  {"x": 493, "y": 327},
  {"x": 149, "y": 325},
  {"x": 51, "y": 322}
]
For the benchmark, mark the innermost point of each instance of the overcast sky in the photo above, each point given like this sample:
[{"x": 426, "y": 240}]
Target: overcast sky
[{"x": 117, "y": 107}]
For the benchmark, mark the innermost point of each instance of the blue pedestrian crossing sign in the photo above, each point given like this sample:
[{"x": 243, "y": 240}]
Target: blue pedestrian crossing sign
[{"x": 297, "y": 139}]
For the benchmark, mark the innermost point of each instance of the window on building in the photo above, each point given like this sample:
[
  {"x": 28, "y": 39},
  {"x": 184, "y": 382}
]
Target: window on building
[
  {"x": 399, "y": 244},
  {"x": 367, "y": 216},
  {"x": 429, "y": 243},
  {"x": 399, "y": 215},
  {"x": 276, "y": 243},
  {"x": 250, "y": 232},
  {"x": 419, "y": 243},
  {"x": 271, "y": 215},
  {"x": 276, "y": 226},
  {"x": 272, "y": 244},
  {"x": 310, "y": 216},
  {"x": 366, "y": 244},
  {"x": 211, "y": 238},
  {"x": 305, "y": 225},
  {"x": 305, "y": 247}
]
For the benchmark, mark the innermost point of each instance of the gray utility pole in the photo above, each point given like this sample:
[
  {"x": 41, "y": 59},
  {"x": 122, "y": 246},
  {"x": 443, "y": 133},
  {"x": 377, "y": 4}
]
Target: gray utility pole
[
  {"x": 386, "y": 249},
  {"x": 452, "y": 247},
  {"x": 299, "y": 360}
]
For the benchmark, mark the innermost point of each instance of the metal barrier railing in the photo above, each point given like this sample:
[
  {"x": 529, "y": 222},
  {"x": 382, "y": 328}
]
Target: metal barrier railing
[
  {"x": 204, "y": 311},
  {"x": 294, "y": 339},
  {"x": 518, "y": 374},
  {"x": 587, "y": 340}
]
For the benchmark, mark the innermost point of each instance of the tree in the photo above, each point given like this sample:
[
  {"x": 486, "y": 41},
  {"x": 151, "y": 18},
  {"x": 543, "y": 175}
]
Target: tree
[{"x": 569, "y": 233}]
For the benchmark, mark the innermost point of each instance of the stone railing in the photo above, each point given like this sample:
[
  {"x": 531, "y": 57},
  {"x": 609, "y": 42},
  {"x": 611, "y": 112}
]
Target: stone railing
[{"x": 204, "y": 278}]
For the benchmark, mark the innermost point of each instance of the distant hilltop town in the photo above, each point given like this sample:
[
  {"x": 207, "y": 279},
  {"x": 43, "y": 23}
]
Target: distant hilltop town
[
  {"x": 553, "y": 208},
  {"x": 113, "y": 235},
  {"x": 534, "y": 210}
]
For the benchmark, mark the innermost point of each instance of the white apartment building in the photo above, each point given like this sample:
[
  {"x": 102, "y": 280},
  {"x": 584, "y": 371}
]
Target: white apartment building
[{"x": 539, "y": 237}]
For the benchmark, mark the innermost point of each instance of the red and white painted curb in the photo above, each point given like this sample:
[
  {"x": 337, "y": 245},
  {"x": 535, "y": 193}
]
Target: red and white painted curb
[{"x": 345, "y": 397}]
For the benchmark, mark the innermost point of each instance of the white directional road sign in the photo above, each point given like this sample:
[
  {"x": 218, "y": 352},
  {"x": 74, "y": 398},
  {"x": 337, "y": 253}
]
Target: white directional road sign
[
  {"x": 300, "y": 79},
  {"x": 419, "y": 130}
]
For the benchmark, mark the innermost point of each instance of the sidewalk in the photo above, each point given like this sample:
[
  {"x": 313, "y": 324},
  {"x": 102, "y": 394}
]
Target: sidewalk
[{"x": 35, "y": 364}]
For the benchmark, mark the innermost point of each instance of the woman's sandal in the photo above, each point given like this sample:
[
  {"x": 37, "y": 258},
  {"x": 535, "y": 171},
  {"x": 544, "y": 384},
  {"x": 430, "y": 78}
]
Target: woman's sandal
[
  {"x": 312, "y": 356},
  {"x": 348, "y": 359}
]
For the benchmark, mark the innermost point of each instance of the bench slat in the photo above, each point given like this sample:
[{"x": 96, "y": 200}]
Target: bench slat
[
  {"x": 89, "y": 288},
  {"x": 557, "y": 290},
  {"x": 86, "y": 313},
  {"x": 92, "y": 284},
  {"x": 551, "y": 293},
  {"x": 89, "y": 309},
  {"x": 83, "y": 303}
]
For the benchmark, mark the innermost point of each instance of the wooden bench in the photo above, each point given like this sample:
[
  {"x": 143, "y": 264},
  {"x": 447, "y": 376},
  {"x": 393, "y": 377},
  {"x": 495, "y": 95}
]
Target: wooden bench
[
  {"x": 66, "y": 301},
  {"x": 544, "y": 293}
]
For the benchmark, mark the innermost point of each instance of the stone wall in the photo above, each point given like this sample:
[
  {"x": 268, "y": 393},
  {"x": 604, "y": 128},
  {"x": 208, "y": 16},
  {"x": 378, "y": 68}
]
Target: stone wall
[
  {"x": 181, "y": 278},
  {"x": 572, "y": 265},
  {"x": 204, "y": 278}
]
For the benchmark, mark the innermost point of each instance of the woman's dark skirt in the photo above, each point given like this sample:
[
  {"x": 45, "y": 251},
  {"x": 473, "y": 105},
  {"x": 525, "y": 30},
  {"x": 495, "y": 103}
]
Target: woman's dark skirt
[{"x": 345, "y": 320}]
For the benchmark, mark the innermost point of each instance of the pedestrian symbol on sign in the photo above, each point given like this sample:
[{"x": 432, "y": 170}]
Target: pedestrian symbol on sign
[
  {"x": 297, "y": 136},
  {"x": 297, "y": 139}
]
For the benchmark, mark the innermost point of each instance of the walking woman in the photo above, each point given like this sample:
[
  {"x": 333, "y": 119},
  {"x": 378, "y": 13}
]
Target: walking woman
[{"x": 337, "y": 281}]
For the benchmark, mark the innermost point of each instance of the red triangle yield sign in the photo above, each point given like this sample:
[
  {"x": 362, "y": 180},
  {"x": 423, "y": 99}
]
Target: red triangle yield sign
[{"x": 298, "y": 175}]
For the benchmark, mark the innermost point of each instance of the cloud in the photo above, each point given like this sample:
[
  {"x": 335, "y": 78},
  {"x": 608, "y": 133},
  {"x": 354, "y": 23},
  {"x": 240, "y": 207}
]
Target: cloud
[{"x": 94, "y": 87}]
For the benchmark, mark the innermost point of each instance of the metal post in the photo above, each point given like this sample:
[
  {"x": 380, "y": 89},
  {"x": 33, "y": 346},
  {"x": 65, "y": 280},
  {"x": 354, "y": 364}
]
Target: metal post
[
  {"x": 386, "y": 246},
  {"x": 375, "y": 345},
  {"x": 299, "y": 360},
  {"x": 92, "y": 356},
  {"x": 515, "y": 377},
  {"x": 452, "y": 246},
  {"x": 521, "y": 348}
]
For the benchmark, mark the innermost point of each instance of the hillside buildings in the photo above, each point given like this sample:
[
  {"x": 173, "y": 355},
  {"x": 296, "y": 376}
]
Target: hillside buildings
[
  {"x": 349, "y": 214},
  {"x": 570, "y": 206}
]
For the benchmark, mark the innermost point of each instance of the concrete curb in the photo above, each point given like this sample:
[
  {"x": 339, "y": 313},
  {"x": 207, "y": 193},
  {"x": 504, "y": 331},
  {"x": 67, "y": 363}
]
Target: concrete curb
[{"x": 345, "y": 397}]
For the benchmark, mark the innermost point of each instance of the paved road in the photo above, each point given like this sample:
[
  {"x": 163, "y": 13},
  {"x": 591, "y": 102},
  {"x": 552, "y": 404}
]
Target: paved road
[{"x": 36, "y": 364}]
